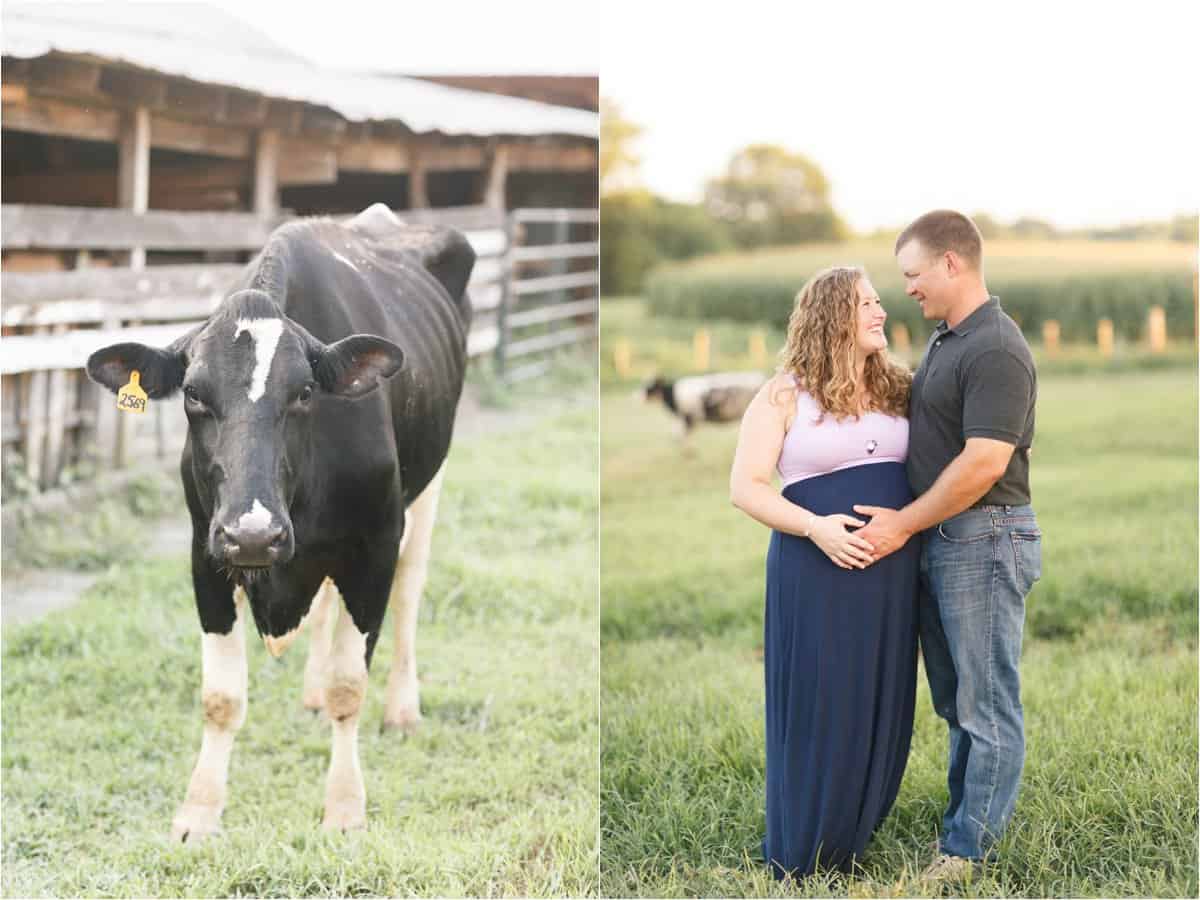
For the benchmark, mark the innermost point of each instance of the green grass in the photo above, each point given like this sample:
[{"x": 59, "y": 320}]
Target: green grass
[
  {"x": 1109, "y": 804},
  {"x": 496, "y": 795}
]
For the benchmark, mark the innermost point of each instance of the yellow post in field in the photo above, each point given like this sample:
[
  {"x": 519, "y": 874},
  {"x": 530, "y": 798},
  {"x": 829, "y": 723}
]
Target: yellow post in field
[
  {"x": 1104, "y": 337},
  {"x": 1157, "y": 328},
  {"x": 701, "y": 349},
  {"x": 758, "y": 348},
  {"x": 623, "y": 358},
  {"x": 1050, "y": 336},
  {"x": 901, "y": 339}
]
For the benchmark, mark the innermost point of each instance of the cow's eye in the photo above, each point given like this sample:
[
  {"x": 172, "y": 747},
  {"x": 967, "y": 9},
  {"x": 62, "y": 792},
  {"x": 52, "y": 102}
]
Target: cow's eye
[
  {"x": 192, "y": 397},
  {"x": 305, "y": 396}
]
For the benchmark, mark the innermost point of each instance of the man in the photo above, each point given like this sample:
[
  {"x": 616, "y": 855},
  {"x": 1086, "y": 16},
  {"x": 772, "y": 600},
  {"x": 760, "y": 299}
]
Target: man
[{"x": 971, "y": 426}]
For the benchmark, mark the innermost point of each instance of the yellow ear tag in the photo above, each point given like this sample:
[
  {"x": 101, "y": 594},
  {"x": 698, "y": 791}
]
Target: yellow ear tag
[{"x": 132, "y": 398}]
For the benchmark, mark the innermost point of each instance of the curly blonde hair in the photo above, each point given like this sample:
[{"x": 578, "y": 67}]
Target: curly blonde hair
[{"x": 820, "y": 350}]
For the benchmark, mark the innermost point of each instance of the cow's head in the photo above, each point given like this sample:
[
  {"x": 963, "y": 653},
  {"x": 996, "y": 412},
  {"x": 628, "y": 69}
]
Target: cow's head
[{"x": 252, "y": 380}]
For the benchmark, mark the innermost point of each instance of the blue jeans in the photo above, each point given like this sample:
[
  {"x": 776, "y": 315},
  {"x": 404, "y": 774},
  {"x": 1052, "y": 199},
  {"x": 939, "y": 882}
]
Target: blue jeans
[{"x": 976, "y": 570}]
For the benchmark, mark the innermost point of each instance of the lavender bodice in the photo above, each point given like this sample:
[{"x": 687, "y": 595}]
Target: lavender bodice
[{"x": 811, "y": 449}]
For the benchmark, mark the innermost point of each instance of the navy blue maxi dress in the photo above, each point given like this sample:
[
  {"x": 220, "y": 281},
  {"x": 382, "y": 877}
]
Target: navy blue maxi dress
[{"x": 840, "y": 650}]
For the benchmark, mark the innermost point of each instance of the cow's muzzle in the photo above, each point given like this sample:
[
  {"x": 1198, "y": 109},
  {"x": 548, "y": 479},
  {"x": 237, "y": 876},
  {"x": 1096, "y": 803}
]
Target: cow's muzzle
[{"x": 252, "y": 547}]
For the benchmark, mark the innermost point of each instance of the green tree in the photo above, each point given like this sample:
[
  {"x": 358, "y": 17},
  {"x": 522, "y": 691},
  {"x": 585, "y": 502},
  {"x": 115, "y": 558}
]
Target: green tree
[
  {"x": 769, "y": 195},
  {"x": 618, "y": 162}
]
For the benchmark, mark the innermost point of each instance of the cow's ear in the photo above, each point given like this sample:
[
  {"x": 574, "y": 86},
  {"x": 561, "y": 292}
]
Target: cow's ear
[
  {"x": 161, "y": 371},
  {"x": 353, "y": 366}
]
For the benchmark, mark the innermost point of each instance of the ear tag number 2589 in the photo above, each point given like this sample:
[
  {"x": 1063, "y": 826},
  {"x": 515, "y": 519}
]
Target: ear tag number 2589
[{"x": 131, "y": 398}]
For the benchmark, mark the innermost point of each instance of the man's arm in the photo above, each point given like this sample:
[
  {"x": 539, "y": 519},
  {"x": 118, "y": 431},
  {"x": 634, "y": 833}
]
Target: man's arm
[{"x": 969, "y": 476}]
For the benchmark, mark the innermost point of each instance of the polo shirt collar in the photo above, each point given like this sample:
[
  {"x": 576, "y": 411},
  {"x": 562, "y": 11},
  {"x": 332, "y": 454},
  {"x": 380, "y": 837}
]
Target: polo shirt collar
[{"x": 974, "y": 319}]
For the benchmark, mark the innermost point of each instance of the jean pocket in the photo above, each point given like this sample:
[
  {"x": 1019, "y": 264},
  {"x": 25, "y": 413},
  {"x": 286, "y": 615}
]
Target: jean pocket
[
  {"x": 966, "y": 528},
  {"x": 1027, "y": 553}
]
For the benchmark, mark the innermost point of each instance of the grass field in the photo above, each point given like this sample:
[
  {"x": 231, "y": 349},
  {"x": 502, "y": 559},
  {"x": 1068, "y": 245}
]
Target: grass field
[
  {"x": 1109, "y": 670},
  {"x": 496, "y": 795}
]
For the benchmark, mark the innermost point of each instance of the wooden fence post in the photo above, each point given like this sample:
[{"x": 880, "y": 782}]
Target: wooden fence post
[
  {"x": 1157, "y": 327},
  {"x": 133, "y": 173},
  {"x": 623, "y": 358},
  {"x": 1104, "y": 337},
  {"x": 506, "y": 292},
  {"x": 1051, "y": 332},
  {"x": 758, "y": 348},
  {"x": 702, "y": 349}
]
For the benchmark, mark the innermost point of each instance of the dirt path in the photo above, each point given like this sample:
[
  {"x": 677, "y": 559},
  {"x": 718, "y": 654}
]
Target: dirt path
[{"x": 32, "y": 593}]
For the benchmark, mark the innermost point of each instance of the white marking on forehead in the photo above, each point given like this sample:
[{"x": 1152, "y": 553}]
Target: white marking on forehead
[
  {"x": 341, "y": 258},
  {"x": 257, "y": 519},
  {"x": 265, "y": 333}
]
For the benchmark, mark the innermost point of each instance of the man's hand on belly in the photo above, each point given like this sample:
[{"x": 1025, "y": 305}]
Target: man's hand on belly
[{"x": 886, "y": 531}]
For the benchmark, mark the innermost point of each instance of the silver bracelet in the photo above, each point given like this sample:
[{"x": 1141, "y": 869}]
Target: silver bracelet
[{"x": 808, "y": 525}]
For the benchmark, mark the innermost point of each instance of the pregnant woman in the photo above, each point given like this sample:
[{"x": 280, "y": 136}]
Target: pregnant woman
[{"x": 840, "y": 628}]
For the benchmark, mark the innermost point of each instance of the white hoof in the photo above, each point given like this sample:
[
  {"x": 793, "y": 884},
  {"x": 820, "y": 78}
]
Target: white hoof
[
  {"x": 345, "y": 815},
  {"x": 406, "y": 721},
  {"x": 194, "y": 823}
]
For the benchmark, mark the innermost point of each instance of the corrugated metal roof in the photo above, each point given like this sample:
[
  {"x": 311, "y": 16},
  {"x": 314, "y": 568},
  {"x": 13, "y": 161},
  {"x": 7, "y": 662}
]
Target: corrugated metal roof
[{"x": 203, "y": 43}]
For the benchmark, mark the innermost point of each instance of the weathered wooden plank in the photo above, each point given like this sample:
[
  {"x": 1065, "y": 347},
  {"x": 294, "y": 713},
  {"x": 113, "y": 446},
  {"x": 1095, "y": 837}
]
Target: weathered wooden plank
[
  {"x": 246, "y": 109},
  {"x": 130, "y": 86},
  {"x": 57, "y": 227},
  {"x": 486, "y": 297},
  {"x": 556, "y": 282},
  {"x": 92, "y": 312},
  {"x": 66, "y": 75},
  {"x": 284, "y": 116},
  {"x": 525, "y": 157},
  {"x": 303, "y": 161},
  {"x": 198, "y": 137},
  {"x": 322, "y": 123},
  {"x": 70, "y": 350},
  {"x": 193, "y": 100},
  {"x": 555, "y": 251},
  {"x": 554, "y": 339},
  {"x": 573, "y": 216},
  {"x": 373, "y": 155},
  {"x": 13, "y": 93},
  {"x": 482, "y": 340},
  {"x": 117, "y": 284},
  {"x": 544, "y": 314},
  {"x": 59, "y": 118},
  {"x": 465, "y": 218}
]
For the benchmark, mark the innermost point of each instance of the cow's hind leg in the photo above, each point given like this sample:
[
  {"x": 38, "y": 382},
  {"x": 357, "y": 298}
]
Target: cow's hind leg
[
  {"x": 223, "y": 694},
  {"x": 321, "y": 619},
  {"x": 403, "y": 709}
]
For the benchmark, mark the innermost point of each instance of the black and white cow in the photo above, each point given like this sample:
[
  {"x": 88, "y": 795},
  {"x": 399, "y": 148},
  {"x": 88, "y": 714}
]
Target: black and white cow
[
  {"x": 312, "y": 493},
  {"x": 719, "y": 397}
]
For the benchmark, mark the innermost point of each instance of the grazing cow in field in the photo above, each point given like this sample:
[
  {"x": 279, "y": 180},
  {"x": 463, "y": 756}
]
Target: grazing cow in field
[
  {"x": 320, "y": 399},
  {"x": 720, "y": 397}
]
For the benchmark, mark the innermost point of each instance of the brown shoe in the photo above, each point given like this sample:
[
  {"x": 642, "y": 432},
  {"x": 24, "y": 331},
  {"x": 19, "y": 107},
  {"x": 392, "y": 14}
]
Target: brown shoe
[{"x": 949, "y": 869}]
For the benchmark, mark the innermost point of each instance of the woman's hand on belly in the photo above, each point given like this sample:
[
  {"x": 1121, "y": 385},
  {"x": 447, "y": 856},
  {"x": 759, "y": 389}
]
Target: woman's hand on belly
[{"x": 845, "y": 548}]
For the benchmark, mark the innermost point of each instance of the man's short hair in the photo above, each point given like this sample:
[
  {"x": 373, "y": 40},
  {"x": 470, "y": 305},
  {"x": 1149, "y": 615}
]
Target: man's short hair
[{"x": 945, "y": 229}]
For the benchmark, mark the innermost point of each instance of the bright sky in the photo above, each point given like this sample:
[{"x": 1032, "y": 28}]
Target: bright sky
[
  {"x": 1050, "y": 109},
  {"x": 1044, "y": 109}
]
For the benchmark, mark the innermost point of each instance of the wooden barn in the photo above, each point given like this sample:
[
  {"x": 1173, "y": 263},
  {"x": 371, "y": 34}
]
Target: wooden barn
[{"x": 149, "y": 149}]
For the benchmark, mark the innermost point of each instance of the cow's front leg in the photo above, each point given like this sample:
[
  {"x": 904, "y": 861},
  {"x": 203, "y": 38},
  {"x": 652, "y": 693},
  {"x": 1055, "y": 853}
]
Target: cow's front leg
[
  {"x": 345, "y": 689},
  {"x": 322, "y": 616},
  {"x": 223, "y": 695}
]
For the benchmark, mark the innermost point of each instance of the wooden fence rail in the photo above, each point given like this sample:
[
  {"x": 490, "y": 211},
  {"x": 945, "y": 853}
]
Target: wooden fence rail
[{"x": 530, "y": 294}]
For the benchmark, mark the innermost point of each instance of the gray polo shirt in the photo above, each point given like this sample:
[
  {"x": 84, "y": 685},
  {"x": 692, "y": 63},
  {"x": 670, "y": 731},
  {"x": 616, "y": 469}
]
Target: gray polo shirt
[{"x": 976, "y": 380}]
